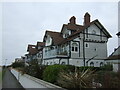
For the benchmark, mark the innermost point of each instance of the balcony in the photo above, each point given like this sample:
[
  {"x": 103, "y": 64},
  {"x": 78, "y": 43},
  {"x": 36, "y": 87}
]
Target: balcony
[
  {"x": 62, "y": 54},
  {"x": 55, "y": 53}
]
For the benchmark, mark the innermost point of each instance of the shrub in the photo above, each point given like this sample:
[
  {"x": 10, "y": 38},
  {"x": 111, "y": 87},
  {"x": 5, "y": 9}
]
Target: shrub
[
  {"x": 51, "y": 72},
  {"x": 84, "y": 68},
  {"x": 17, "y": 64},
  {"x": 108, "y": 79},
  {"x": 107, "y": 67},
  {"x": 77, "y": 80},
  {"x": 34, "y": 69}
]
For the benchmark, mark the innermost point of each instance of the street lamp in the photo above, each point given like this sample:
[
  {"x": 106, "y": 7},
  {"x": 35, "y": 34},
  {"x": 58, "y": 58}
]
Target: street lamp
[{"x": 5, "y": 61}]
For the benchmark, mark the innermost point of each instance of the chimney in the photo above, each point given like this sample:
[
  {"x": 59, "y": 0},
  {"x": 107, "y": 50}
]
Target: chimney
[
  {"x": 72, "y": 20},
  {"x": 86, "y": 18}
]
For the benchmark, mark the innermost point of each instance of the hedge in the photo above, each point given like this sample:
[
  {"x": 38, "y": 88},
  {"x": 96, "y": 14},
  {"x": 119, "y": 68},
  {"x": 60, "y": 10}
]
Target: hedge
[{"x": 51, "y": 72}]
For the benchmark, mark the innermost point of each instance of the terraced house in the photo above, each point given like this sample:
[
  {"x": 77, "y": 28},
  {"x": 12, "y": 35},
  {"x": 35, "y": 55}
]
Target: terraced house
[{"x": 79, "y": 45}]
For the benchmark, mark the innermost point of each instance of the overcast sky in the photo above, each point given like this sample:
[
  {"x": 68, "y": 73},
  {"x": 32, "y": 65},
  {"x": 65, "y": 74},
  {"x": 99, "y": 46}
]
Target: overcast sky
[{"x": 26, "y": 23}]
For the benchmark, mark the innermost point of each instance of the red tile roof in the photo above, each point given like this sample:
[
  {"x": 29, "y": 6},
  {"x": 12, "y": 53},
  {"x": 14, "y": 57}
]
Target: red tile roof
[
  {"x": 32, "y": 49},
  {"x": 41, "y": 44},
  {"x": 74, "y": 27},
  {"x": 78, "y": 29},
  {"x": 56, "y": 37}
]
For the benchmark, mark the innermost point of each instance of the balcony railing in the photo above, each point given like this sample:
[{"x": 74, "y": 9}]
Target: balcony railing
[{"x": 54, "y": 53}]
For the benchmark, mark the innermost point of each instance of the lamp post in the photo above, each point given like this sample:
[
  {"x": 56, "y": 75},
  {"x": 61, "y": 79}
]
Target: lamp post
[{"x": 5, "y": 61}]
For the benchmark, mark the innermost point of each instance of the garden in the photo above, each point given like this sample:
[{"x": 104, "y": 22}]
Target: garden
[{"x": 69, "y": 77}]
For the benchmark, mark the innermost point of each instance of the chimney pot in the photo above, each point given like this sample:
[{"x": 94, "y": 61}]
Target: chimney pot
[
  {"x": 86, "y": 18},
  {"x": 72, "y": 20}
]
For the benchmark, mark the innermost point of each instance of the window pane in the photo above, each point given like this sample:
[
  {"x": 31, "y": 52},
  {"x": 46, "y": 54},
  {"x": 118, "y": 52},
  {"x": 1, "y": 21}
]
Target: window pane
[
  {"x": 92, "y": 64},
  {"x": 72, "y": 48},
  {"x": 101, "y": 64},
  {"x": 76, "y": 49}
]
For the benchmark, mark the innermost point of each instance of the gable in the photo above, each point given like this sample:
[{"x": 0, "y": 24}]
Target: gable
[
  {"x": 102, "y": 28},
  {"x": 66, "y": 33},
  {"x": 117, "y": 51},
  {"x": 94, "y": 30},
  {"x": 48, "y": 41}
]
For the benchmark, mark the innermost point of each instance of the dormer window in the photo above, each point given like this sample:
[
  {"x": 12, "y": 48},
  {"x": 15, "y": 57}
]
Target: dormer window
[
  {"x": 65, "y": 35},
  {"x": 33, "y": 47},
  {"x": 48, "y": 39}
]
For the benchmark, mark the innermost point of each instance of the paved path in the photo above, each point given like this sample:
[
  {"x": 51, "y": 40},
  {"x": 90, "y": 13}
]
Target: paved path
[
  {"x": 0, "y": 78},
  {"x": 29, "y": 82},
  {"x": 9, "y": 81}
]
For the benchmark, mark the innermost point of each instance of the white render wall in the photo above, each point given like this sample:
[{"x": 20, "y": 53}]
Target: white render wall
[
  {"x": 112, "y": 61},
  {"x": 73, "y": 61},
  {"x": 93, "y": 49},
  {"x": 97, "y": 46},
  {"x": 115, "y": 67},
  {"x": 48, "y": 41}
]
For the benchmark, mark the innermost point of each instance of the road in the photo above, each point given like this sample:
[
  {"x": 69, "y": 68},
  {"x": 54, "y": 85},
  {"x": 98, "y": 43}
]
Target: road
[{"x": 9, "y": 81}]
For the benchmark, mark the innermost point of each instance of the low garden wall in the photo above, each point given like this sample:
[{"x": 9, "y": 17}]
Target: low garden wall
[{"x": 28, "y": 81}]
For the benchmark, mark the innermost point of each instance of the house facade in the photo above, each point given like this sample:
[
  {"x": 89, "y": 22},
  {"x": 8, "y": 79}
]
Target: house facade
[
  {"x": 79, "y": 45},
  {"x": 114, "y": 58},
  {"x": 32, "y": 52},
  {"x": 39, "y": 54}
]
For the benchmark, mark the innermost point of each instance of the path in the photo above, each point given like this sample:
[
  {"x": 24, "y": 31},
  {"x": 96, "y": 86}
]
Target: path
[
  {"x": 0, "y": 78},
  {"x": 31, "y": 83},
  {"x": 9, "y": 81}
]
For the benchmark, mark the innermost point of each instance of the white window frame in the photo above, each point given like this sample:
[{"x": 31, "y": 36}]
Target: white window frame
[
  {"x": 87, "y": 45},
  {"x": 101, "y": 64},
  {"x": 92, "y": 64},
  {"x": 73, "y": 49}
]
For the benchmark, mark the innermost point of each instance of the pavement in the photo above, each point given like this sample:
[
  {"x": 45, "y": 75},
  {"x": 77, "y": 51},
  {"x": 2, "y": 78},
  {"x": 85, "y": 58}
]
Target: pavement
[
  {"x": 32, "y": 83},
  {"x": 1, "y": 78},
  {"x": 9, "y": 81}
]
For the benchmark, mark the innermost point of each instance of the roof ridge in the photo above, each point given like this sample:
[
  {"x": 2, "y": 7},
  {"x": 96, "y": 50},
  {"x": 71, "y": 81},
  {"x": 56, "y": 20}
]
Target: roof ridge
[
  {"x": 52, "y": 31},
  {"x": 115, "y": 50}
]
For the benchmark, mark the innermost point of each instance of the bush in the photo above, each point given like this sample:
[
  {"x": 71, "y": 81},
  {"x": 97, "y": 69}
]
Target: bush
[
  {"x": 108, "y": 79},
  {"x": 76, "y": 80},
  {"x": 84, "y": 68},
  {"x": 17, "y": 64},
  {"x": 34, "y": 69},
  {"x": 107, "y": 67},
  {"x": 51, "y": 72}
]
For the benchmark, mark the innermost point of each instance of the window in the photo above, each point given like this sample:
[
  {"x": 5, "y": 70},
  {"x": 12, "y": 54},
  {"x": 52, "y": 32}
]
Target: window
[
  {"x": 48, "y": 40},
  {"x": 63, "y": 63},
  {"x": 91, "y": 64},
  {"x": 95, "y": 49},
  {"x": 86, "y": 45},
  {"x": 72, "y": 48},
  {"x": 50, "y": 63},
  {"x": 75, "y": 47},
  {"x": 101, "y": 64},
  {"x": 47, "y": 63}
]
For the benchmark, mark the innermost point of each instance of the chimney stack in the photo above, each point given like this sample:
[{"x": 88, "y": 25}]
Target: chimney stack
[
  {"x": 86, "y": 18},
  {"x": 72, "y": 20}
]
